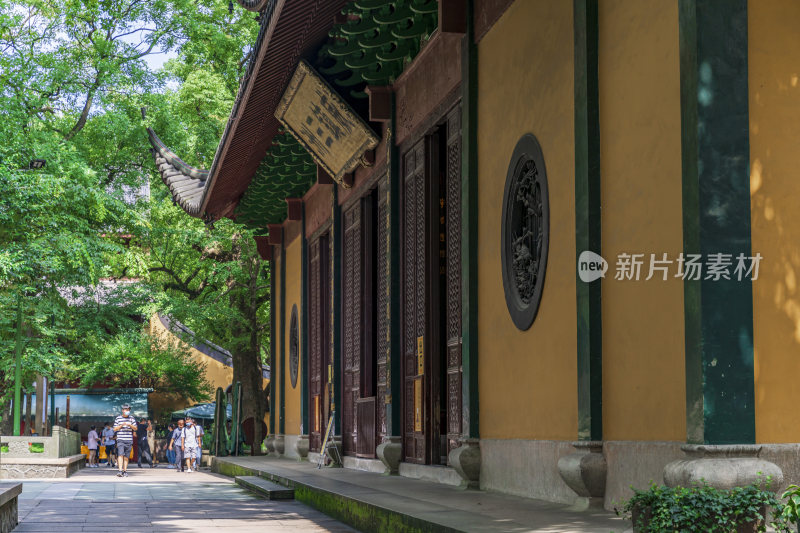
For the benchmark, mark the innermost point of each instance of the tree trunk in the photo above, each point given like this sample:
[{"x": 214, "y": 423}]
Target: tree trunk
[{"x": 247, "y": 370}]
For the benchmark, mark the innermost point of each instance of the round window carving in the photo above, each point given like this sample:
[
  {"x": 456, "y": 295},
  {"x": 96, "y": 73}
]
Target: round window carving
[
  {"x": 294, "y": 347},
  {"x": 525, "y": 231}
]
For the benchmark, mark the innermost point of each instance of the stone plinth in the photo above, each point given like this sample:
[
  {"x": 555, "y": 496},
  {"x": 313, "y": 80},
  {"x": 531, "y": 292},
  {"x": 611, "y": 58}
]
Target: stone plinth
[
  {"x": 44, "y": 468},
  {"x": 723, "y": 467},
  {"x": 390, "y": 452},
  {"x": 9, "y": 518},
  {"x": 584, "y": 471},
  {"x": 301, "y": 446},
  {"x": 466, "y": 460}
]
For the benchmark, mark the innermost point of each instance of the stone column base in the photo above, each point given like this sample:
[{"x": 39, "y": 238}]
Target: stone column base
[
  {"x": 466, "y": 460},
  {"x": 334, "y": 451},
  {"x": 270, "y": 442},
  {"x": 584, "y": 471},
  {"x": 301, "y": 446},
  {"x": 280, "y": 444},
  {"x": 390, "y": 451},
  {"x": 723, "y": 467}
]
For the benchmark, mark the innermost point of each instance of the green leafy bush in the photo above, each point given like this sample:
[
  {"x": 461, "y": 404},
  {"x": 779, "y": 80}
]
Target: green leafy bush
[
  {"x": 36, "y": 447},
  {"x": 791, "y": 509},
  {"x": 703, "y": 508}
]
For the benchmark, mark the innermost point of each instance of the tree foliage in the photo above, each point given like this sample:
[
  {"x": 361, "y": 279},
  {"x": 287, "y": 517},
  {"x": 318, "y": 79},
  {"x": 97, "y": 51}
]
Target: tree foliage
[{"x": 74, "y": 75}]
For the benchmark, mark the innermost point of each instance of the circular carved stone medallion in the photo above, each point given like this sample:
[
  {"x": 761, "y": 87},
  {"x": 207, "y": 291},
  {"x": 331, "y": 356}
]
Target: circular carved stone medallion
[
  {"x": 525, "y": 231},
  {"x": 294, "y": 347}
]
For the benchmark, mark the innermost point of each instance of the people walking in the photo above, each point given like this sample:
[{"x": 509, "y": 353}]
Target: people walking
[
  {"x": 176, "y": 444},
  {"x": 93, "y": 438},
  {"x": 190, "y": 445},
  {"x": 199, "y": 451},
  {"x": 144, "y": 445},
  {"x": 108, "y": 442},
  {"x": 125, "y": 426},
  {"x": 170, "y": 453},
  {"x": 151, "y": 442}
]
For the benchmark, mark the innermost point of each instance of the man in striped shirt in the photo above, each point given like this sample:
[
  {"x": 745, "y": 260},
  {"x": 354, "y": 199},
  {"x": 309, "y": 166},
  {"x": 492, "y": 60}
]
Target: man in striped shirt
[{"x": 125, "y": 426}]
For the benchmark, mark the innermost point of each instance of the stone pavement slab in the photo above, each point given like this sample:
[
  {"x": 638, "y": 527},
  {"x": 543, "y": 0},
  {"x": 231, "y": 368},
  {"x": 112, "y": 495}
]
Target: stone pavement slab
[
  {"x": 158, "y": 500},
  {"x": 440, "y": 506}
]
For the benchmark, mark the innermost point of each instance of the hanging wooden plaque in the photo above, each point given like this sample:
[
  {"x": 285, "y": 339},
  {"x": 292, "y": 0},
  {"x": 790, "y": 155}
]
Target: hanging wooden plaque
[{"x": 335, "y": 136}]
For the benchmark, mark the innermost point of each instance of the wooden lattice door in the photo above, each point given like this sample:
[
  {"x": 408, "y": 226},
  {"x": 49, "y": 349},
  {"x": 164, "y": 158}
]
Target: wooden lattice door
[
  {"x": 352, "y": 270},
  {"x": 452, "y": 195},
  {"x": 414, "y": 290},
  {"x": 319, "y": 337}
]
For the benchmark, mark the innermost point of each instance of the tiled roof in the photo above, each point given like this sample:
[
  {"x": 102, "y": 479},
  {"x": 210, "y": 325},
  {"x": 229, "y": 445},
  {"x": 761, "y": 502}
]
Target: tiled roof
[
  {"x": 186, "y": 183},
  {"x": 253, "y": 5}
]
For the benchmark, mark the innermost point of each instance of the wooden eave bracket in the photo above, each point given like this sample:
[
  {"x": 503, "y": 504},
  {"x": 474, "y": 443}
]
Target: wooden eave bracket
[
  {"x": 323, "y": 178},
  {"x": 275, "y": 234},
  {"x": 380, "y": 102},
  {"x": 453, "y": 16},
  {"x": 263, "y": 246},
  {"x": 294, "y": 208}
]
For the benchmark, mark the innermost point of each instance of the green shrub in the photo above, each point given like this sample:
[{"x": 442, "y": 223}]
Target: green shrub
[
  {"x": 702, "y": 508},
  {"x": 4, "y": 448},
  {"x": 36, "y": 447},
  {"x": 791, "y": 509}
]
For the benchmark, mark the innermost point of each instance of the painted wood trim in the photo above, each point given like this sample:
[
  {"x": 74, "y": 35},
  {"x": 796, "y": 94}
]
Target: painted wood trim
[
  {"x": 469, "y": 228},
  {"x": 715, "y": 146},
  {"x": 394, "y": 405},
  {"x": 588, "y": 219},
  {"x": 282, "y": 373},
  {"x": 337, "y": 237},
  {"x": 305, "y": 423},
  {"x": 272, "y": 344}
]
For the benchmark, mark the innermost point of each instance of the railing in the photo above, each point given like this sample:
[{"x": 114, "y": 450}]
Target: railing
[{"x": 62, "y": 443}]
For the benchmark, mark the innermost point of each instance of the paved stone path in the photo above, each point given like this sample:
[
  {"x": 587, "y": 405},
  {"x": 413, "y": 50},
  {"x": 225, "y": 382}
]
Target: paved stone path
[{"x": 158, "y": 500}]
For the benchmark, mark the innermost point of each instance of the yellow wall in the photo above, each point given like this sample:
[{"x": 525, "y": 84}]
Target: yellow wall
[
  {"x": 527, "y": 380},
  {"x": 774, "y": 68},
  {"x": 640, "y": 174},
  {"x": 217, "y": 374},
  {"x": 293, "y": 295}
]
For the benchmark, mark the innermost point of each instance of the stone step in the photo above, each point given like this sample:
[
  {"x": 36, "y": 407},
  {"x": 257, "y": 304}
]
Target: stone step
[{"x": 267, "y": 489}]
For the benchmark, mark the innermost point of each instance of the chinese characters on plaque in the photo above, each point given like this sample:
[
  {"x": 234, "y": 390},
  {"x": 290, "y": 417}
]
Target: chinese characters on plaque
[{"x": 324, "y": 124}]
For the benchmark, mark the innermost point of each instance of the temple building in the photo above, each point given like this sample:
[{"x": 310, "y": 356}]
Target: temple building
[{"x": 548, "y": 248}]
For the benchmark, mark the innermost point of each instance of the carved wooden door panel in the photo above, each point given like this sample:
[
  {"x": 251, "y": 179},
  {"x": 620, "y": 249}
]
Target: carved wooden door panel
[
  {"x": 453, "y": 319},
  {"x": 414, "y": 291},
  {"x": 382, "y": 342},
  {"x": 319, "y": 338},
  {"x": 352, "y": 324}
]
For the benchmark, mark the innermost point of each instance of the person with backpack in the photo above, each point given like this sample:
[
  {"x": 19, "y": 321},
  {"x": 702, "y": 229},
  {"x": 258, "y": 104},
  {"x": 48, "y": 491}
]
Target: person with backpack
[
  {"x": 170, "y": 453},
  {"x": 190, "y": 445},
  {"x": 176, "y": 444},
  {"x": 144, "y": 444},
  {"x": 108, "y": 442}
]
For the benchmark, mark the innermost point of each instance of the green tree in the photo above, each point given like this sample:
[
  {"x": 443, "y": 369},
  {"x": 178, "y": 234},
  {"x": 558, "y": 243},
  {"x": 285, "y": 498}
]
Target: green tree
[
  {"x": 216, "y": 283},
  {"x": 73, "y": 77}
]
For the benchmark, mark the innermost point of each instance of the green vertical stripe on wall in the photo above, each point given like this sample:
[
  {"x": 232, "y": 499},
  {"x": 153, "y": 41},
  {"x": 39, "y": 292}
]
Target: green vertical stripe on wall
[
  {"x": 587, "y": 220},
  {"x": 272, "y": 343},
  {"x": 282, "y": 378},
  {"x": 336, "y": 322},
  {"x": 715, "y": 147},
  {"x": 394, "y": 410},
  {"x": 304, "y": 399},
  {"x": 469, "y": 229}
]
